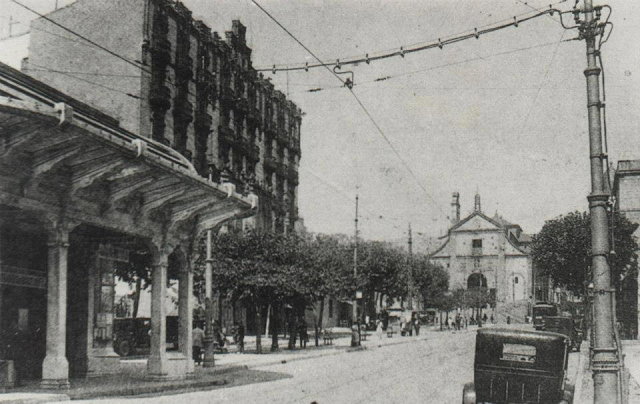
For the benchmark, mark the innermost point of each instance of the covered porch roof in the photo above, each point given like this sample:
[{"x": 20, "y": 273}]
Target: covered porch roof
[{"x": 62, "y": 158}]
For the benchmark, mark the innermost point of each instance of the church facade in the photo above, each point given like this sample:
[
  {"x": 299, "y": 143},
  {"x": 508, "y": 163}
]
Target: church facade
[{"x": 488, "y": 253}]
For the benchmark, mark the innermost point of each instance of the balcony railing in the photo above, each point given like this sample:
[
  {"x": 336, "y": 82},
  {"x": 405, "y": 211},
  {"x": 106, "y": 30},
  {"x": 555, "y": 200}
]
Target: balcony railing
[{"x": 269, "y": 162}]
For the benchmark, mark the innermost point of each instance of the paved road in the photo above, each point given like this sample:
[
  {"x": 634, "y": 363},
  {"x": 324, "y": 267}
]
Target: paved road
[{"x": 428, "y": 371}]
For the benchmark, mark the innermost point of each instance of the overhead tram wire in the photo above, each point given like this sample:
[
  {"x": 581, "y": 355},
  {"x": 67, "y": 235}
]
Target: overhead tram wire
[
  {"x": 440, "y": 43},
  {"x": 406, "y": 165},
  {"x": 412, "y": 72}
]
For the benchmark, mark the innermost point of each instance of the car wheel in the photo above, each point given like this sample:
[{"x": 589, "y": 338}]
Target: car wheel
[{"x": 124, "y": 348}]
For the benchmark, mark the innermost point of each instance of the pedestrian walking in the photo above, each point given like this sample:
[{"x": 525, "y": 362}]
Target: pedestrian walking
[
  {"x": 198, "y": 339},
  {"x": 417, "y": 325},
  {"x": 240, "y": 337},
  {"x": 492, "y": 319},
  {"x": 379, "y": 329},
  {"x": 304, "y": 336}
]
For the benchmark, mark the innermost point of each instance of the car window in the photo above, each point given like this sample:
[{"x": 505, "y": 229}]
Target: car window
[{"x": 518, "y": 353}]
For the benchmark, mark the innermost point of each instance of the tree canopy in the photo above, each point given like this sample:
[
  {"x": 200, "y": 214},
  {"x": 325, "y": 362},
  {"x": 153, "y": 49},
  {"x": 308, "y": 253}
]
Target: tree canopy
[{"x": 562, "y": 250}]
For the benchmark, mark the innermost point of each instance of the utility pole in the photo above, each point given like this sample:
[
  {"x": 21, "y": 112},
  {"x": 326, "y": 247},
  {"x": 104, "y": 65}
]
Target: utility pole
[
  {"x": 355, "y": 342},
  {"x": 605, "y": 361},
  {"x": 355, "y": 265},
  {"x": 410, "y": 271}
]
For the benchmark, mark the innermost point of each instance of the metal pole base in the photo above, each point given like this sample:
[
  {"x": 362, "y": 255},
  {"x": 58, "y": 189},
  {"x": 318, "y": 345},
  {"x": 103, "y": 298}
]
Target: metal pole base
[{"x": 209, "y": 350}]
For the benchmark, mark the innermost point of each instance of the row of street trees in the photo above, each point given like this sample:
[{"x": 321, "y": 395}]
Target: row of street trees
[{"x": 263, "y": 269}]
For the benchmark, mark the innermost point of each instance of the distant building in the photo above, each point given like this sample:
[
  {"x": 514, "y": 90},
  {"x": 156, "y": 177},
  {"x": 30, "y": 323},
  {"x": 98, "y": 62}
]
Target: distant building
[
  {"x": 488, "y": 253},
  {"x": 626, "y": 190}
]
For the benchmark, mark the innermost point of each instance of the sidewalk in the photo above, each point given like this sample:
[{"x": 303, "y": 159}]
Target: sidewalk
[{"x": 231, "y": 369}]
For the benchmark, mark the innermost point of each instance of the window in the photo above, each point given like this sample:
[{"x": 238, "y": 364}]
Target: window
[
  {"x": 477, "y": 243},
  {"x": 515, "y": 280},
  {"x": 330, "y": 308}
]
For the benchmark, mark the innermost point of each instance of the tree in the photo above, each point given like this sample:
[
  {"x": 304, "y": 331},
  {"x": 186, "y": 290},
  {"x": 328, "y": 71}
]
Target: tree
[
  {"x": 430, "y": 281},
  {"x": 562, "y": 250},
  {"x": 136, "y": 271}
]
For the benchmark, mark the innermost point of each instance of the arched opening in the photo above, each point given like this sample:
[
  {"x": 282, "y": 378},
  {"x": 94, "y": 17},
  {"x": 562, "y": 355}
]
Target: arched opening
[{"x": 476, "y": 281}]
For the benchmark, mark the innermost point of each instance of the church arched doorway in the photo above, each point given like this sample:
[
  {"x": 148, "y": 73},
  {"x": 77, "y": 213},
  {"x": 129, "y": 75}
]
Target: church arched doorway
[{"x": 476, "y": 281}]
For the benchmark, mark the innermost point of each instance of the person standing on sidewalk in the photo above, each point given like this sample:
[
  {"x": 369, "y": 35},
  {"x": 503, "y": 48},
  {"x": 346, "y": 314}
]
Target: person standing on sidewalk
[
  {"x": 240, "y": 333},
  {"x": 379, "y": 329},
  {"x": 198, "y": 337},
  {"x": 417, "y": 325}
]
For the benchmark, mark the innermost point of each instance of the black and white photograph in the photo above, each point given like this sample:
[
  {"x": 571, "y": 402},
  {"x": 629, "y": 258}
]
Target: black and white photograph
[{"x": 320, "y": 201}]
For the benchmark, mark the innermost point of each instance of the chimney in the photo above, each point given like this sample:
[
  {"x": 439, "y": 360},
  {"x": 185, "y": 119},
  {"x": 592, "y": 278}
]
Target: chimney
[
  {"x": 455, "y": 208},
  {"x": 476, "y": 207}
]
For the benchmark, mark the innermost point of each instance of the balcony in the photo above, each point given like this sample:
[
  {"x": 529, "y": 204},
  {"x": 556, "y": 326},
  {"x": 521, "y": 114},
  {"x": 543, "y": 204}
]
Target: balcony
[
  {"x": 227, "y": 94},
  {"x": 160, "y": 97},
  {"x": 254, "y": 116},
  {"x": 282, "y": 169},
  {"x": 184, "y": 67},
  {"x": 226, "y": 134},
  {"x": 270, "y": 163},
  {"x": 293, "y": 176},
  {"x": 161, "y": 51}
]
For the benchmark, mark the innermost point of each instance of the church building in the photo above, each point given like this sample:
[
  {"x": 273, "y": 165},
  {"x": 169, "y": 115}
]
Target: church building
[{"x": 488, "y": 253}]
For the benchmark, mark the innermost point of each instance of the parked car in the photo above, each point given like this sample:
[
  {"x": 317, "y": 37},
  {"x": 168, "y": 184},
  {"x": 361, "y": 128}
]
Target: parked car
[
  {"x": 132, "y": 336},
  {"x": 540, "y": 312},
  {"x": 514, "y": 366},
  {"x": 565, "y": 326}
]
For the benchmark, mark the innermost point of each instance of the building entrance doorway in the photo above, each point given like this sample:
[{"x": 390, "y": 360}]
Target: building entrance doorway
[{"x": 476, "y": 281}]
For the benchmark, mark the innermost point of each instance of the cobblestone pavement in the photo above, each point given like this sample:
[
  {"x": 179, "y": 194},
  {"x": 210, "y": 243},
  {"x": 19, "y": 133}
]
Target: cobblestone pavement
[{"x": 431, "y": 370}]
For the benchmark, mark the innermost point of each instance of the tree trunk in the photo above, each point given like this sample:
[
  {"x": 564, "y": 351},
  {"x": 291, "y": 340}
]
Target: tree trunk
[
  {"x": 293, "y": 329},
  {"x": 274, "y": 328},
  {"x": 258, "y": 329},
  {"x": 266, "y": 328},
  {"x": 319, "y": 320},
  {"x": 136, "y": 298}
]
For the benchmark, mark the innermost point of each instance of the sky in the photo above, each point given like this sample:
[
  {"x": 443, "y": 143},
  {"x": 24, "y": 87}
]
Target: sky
[{"x": 503, "y": 115}]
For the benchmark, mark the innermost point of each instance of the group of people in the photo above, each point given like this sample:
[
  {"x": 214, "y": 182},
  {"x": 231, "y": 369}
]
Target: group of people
[
  {"x": 406, "y": 327},
  {"x": 198, "y": 336}
]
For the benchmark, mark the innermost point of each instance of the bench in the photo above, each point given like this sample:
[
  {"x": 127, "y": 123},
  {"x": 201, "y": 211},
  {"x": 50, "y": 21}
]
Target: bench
[
  {"x": 364, "y": 335},
  {"x": 327, "y": 337}
]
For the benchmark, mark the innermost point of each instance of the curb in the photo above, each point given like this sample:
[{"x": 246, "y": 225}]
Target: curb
[
  {"x": 581, "y": 371},
  {"x": 332, "y": 352}
]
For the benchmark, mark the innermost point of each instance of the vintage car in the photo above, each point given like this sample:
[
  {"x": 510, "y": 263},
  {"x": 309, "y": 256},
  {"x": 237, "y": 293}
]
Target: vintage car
[
  {"x": 566, "y": 326},
  {"x": 540, "y": 312},
  {"x": 132, "y": 336},
  {"x": 514, "y": 366}
]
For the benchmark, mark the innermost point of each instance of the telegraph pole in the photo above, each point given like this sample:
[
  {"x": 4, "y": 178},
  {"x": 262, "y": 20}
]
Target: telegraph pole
[
  {"x": 355, "y": 327},
  {"x": 410, "y": 270},
  {"x": 355, "y": 266},
  {"x": 605, "y": 361}
]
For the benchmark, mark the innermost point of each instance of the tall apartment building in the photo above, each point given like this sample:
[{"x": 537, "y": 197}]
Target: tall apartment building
[{"x": 168, "y": 77}]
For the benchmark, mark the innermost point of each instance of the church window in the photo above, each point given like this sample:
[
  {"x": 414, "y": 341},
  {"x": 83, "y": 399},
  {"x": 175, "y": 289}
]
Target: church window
[
  {"x": 477, "y": 243},
  {"x": 516, "y": 279}
]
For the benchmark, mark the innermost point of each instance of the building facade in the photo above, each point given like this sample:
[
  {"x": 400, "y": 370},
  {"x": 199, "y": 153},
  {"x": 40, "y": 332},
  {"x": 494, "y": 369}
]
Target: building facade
[
  {"x": 177, "y": 82},
  {"x": 172, "y": 79},
  {"x": 626, "y": 190},
  {"x": 488, "y": 253}
]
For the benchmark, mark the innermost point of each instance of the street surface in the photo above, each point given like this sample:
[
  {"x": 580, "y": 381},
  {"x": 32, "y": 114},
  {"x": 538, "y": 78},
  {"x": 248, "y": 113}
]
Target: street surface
[{"x": 427, "y": 371}]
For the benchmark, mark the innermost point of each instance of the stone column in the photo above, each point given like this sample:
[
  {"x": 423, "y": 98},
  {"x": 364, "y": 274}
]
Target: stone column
[
  {"x": 185, "y": 313},
  {"x": 55, "y": 368},
  {"x": 157, "y": 364}
]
